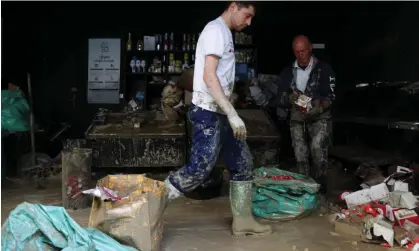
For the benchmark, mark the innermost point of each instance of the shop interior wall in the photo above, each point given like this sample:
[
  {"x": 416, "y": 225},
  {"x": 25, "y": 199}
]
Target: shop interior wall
[{"x": 50, "y": 40}]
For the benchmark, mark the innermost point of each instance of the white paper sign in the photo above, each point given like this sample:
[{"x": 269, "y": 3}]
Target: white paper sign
[{"x": 104, "y": 70}]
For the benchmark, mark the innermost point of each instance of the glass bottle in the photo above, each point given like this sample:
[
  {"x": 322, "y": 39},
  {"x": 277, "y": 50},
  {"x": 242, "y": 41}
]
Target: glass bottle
[{"x": 129, "y": 42}]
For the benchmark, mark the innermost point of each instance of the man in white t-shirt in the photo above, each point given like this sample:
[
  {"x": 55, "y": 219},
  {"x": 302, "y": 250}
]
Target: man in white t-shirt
[{"x": 217, "y": 128}]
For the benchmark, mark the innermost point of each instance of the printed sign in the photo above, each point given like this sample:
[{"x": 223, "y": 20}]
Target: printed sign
[{"x": 104, "y": 71}]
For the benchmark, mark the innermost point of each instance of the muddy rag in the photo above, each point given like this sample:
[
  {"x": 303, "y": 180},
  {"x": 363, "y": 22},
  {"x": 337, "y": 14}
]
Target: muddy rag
[{"x": 34, "y": 227}]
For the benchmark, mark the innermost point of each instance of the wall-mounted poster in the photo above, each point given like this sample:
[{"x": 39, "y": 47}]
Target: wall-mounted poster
[{"x": 104, "y": 71}]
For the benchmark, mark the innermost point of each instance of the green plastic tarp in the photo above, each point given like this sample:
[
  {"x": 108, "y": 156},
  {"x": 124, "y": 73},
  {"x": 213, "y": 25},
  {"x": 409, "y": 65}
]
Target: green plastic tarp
[
  {"x": 34, "y": 227},
  {"x": 14, "y": 112},
  {"x": 283, "y": 200}
]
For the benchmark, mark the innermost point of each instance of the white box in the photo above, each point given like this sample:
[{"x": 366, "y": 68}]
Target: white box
[{"x": 377, "y": 192}]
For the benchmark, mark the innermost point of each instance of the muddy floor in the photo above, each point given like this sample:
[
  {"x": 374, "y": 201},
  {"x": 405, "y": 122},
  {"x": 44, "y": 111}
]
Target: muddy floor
[{"x": 204, "y": 225}]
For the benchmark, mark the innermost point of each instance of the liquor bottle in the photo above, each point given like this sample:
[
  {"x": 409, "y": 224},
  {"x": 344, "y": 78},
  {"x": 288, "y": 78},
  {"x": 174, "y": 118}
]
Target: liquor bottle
[
  {"x": 140, "y": 45},
  {"x": 188, "y": 44},
  {"x": 166, "y": 42},
  {"x": 132, "y": 64},
  {"x": 163, "y": 64},
  {"x": 186, "y": 63},
  {"x": 184, "y": 42},
  {"x": 193, "y": 42},
  {"x": 172, "y": 41},
  {"x": 158, "y": 42},
  {"x": 129, "y": 42},
  {"x": 138, "y": 65}
]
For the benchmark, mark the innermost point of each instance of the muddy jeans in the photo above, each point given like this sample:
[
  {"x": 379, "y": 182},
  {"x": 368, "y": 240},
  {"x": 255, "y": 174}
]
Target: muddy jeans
[
  {"x": 318, "y": 142},
  {"x": 212, "y": 136}
]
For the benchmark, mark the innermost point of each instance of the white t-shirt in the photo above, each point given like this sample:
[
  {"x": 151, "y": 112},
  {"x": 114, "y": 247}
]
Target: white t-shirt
[{"x": 215, "y": 39}]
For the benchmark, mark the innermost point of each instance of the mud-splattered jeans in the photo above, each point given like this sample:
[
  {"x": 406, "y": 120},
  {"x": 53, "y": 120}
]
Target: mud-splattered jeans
[
  {"x": 212, "y": 136},
  {"x": 318, "y": 142}
]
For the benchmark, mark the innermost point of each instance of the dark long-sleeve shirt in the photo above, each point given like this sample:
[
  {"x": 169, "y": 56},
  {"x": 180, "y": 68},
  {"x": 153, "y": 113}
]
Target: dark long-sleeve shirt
[{"x": 320, "y": 86}]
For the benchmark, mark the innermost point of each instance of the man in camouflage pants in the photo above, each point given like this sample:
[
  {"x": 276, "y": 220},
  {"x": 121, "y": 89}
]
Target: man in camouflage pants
[{"x": 315, "y": 79}]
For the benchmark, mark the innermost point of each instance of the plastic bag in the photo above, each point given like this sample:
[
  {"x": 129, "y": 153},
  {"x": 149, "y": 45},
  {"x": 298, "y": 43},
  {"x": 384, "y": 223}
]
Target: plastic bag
[
  {"x": 14, "y": 112},
  {"x": 136, "y": 221},
  {"x": 34, "y": 227},
  {"x": 283, "y": 199}
]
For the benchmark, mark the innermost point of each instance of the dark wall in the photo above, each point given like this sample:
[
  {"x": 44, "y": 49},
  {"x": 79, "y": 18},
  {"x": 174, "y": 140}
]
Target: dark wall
[{"x": 53, "y": 36}]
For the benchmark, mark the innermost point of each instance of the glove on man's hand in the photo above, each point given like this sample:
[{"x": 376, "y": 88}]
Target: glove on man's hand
[
  {"x": 239, "y": 129},
  {"x": 294, "y": 97}
]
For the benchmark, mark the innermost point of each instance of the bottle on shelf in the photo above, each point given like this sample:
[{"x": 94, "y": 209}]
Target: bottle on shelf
[
  {"x": 166, "y": 42},
  {"x": 138, "y": 65},
  {"x": 132, "y": 64},
  {"x": 140, "y": 45},
  {"x": 163, "y": 64},
  {"x": 171, "y": 63},
  {"x": 158, "y": 42},
  {"x": 193, "y": 42},
  {"x": 184, "y": 42},
  {"x": 172, "y": 42},
  {"x": 185, "y": 62},
  {"x": 188, "y": 44},
  {"x": 129, "y": 42}
]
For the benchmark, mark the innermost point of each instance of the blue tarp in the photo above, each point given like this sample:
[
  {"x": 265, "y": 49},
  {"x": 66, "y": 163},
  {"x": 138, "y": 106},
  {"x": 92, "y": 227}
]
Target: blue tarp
[{"x": 34, "y": 227}]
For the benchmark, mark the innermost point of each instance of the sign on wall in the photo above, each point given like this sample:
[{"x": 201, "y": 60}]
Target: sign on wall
[{"x": 104, "y": 71}]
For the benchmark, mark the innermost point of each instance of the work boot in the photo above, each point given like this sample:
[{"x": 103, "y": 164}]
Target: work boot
[
  {"x": 241, "y": 205},
  {"x": 171, "y": 192}
]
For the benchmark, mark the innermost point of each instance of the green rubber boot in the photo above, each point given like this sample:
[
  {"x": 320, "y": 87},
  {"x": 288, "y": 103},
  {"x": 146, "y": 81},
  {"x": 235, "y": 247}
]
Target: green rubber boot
[{"x": 241, "y": 205}]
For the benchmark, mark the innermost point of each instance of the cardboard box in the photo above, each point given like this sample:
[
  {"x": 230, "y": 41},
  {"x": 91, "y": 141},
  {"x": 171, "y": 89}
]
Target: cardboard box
[
  {"x": 377, "y": 192},
  {"x": 408, "y": 219}
]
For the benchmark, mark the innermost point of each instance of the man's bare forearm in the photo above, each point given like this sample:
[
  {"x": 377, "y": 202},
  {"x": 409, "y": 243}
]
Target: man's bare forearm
[{"x": 213, "y": 83}]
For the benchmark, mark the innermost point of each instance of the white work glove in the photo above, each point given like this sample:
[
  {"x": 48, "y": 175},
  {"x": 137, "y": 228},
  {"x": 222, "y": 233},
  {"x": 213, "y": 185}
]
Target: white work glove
[{"x": 239, "y": 129}]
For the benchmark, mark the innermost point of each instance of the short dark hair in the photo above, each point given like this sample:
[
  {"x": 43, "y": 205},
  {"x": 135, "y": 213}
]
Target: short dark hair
[{"x": 242, "y": 4}]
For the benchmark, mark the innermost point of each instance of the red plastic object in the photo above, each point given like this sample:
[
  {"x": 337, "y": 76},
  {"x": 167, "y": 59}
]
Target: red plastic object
[
  {"x": 386, "y": 245},
  {"x": 369, "y": 210},
  {"x": 280, "y": 177}
]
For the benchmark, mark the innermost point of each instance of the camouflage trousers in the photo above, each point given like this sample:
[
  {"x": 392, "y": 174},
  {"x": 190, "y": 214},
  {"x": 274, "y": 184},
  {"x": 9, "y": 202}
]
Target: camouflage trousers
[
  {"x": 311, "y": 139},
  {"x": 212, "y": 136}
]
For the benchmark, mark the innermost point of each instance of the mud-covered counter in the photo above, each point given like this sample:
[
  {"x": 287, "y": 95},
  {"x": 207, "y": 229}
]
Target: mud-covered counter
[
  {"x": 146, "y": 140},
  {"x": 263, "y": 137}
]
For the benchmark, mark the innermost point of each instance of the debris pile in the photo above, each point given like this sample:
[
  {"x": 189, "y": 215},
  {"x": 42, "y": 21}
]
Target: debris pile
[{"x": 386, "y": 213}]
